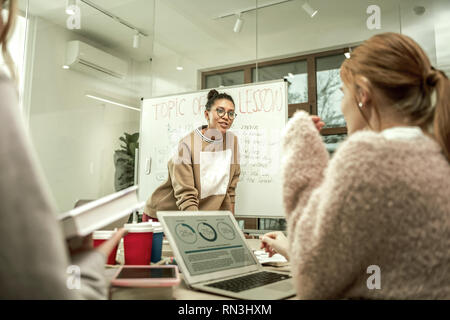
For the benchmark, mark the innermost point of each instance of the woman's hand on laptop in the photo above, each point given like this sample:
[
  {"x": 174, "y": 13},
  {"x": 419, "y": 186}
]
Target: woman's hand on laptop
[{"x": 275, "y": 242}]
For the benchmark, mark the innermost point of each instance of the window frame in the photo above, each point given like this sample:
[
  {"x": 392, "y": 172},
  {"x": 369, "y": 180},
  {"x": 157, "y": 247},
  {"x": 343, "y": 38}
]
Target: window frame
[{"x": 310, "y": 58}]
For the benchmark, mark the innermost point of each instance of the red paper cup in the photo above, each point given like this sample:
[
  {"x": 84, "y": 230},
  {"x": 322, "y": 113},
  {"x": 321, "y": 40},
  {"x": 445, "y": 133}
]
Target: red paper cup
[
  {"x": 137, "y": 244},
  {"x": 101, "y": 236}
]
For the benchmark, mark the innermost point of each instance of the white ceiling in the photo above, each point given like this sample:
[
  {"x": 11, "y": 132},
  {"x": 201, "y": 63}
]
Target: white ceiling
[
  {"x": 191, "y": 29},
  {"x": 101, "y": 28}
]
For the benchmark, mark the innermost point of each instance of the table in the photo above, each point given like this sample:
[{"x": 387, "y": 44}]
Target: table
[{"x": 181, "y": 291}]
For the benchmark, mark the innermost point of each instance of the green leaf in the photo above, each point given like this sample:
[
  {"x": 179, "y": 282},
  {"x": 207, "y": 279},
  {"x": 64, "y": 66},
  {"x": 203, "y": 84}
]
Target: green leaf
[
  {"x": 124, "y": 161},
  {"x": 134, "y": 137}
]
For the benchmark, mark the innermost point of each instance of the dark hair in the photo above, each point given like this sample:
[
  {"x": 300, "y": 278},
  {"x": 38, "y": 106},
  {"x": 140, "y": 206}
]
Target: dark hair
[{"x": 213, "y": 95}]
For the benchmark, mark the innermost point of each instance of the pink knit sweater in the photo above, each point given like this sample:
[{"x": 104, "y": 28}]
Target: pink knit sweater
[{"x": 377, "y": 202}]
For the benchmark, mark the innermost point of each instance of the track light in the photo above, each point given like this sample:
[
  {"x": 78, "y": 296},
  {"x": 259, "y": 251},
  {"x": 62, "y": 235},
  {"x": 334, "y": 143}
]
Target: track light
[
  {"x": 309, "y": 10},
  {"x": 136, "y": 40},
  {"x": 112, "y": 102},
  {"x": 238, "y": 25},
  {"x": 70, "y": 7}
]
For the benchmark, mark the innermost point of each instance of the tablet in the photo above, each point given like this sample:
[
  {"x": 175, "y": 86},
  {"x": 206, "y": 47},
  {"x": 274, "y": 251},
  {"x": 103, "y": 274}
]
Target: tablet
[{"x": 146, "y": 276}]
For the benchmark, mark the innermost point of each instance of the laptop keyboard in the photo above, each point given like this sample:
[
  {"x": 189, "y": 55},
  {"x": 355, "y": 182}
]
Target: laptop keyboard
[{"x": 250, "y": 281}]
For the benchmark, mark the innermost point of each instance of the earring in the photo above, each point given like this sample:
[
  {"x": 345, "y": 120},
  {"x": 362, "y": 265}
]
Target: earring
[{"x": 360, "y": 104}]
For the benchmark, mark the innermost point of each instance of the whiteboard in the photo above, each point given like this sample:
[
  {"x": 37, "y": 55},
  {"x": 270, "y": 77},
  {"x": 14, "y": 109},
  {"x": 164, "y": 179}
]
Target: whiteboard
[{"x": 262, "y": 111}]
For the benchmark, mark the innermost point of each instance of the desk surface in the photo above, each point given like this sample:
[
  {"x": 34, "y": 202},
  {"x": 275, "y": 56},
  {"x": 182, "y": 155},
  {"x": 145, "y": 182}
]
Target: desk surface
[{"x": 182, "y": 292}]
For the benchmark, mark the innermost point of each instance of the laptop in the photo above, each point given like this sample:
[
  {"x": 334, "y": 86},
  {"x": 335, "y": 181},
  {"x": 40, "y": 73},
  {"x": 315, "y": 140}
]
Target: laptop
[{"x": 212, "y": 253}]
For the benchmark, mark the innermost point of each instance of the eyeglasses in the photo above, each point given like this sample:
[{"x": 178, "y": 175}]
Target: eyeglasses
[{"x": 221, "y": 113}]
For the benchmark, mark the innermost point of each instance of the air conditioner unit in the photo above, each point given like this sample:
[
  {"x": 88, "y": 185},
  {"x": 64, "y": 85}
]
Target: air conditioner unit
[{"x": 83, "y": 57}]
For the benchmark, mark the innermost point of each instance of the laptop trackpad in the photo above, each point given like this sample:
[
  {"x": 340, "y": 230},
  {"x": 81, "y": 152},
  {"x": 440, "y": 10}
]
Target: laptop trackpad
[{"x": 281, "y": 286}]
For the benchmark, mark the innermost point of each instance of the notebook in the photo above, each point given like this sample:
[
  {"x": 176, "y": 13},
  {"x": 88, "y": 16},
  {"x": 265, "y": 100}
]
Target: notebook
[
  {"x": 213, "y": 255},
  {"x": 94, "y": 215}
]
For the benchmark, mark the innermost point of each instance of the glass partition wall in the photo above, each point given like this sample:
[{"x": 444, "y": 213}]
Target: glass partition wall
[
  {"x": 76, "y": 116},
  {"x": 88, "y": 65}
]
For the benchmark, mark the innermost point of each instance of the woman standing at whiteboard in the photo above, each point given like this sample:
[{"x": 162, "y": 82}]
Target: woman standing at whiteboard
[{"x": 205, "y": 172}]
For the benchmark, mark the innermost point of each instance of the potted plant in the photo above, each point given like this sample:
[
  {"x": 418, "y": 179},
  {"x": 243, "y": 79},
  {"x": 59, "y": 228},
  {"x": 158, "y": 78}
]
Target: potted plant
[{"x": 124, "y": 161}]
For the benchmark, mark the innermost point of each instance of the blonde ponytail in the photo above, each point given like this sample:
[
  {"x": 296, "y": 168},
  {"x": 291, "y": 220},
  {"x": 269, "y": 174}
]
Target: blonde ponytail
[{"x": 401, "y": 70}]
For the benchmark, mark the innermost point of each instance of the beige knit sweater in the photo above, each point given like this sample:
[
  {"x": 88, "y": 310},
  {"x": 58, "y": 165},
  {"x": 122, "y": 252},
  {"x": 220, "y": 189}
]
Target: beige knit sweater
[{"x": 379, "y": 201}]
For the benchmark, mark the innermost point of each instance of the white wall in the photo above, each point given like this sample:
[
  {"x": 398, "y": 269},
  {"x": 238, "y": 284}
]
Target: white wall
[
  {"x": 75, "y": 137},
  {"x": 166, "y": 79},
  {"x": 420, "y": 27},
  {"x": 442, "y": 36}
]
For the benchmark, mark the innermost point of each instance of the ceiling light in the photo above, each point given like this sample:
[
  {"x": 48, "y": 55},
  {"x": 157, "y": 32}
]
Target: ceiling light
[
  {"x": 238, "y": 25},
  {"x": 179, "y": 66},
  {"x": 66, "y": 67},
  {"x": 309, "y": 10},
  {"x": 136, "y": 40},
  {"x": 71, "y": 4},
  {"x": 252, "y": 8},
  {"x": 112, "y": 102}
]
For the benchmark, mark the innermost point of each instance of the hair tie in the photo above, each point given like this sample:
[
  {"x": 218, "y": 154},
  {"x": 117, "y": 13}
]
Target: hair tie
[{"x": 432, "y": 78}]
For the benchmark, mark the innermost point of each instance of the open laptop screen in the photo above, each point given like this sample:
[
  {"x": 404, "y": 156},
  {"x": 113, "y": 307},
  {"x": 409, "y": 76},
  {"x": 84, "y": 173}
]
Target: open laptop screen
[{"x": 208, "y": 243}]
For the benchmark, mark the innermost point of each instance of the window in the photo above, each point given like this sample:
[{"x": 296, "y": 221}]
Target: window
[
  {"x": 225, "y": 79},
  {"x": 313, "y": 79},
  {"x": 294, "y": 72},
  {"x": 329, "y": 95}
]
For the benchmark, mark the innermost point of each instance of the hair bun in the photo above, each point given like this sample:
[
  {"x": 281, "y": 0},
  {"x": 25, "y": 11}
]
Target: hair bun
[{"x": 212, "y": 94}]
